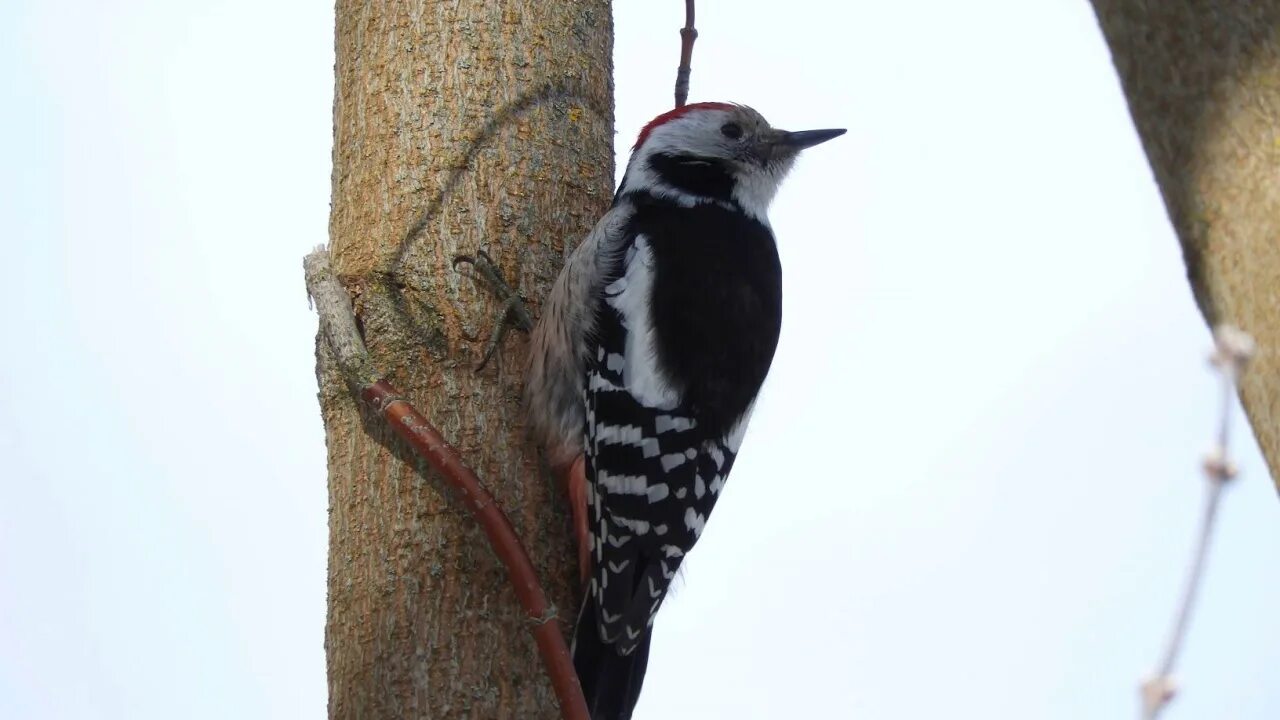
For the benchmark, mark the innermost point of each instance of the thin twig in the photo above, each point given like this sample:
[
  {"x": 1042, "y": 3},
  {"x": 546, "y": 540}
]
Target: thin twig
[
  {"x": 688, "y": 34},
  {"x": 1231, "y": 354},
  {"x": 337, "y": 324}
]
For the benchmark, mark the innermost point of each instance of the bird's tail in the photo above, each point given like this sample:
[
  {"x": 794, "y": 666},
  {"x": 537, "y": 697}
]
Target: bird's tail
[{"x": 610, "y": 682}]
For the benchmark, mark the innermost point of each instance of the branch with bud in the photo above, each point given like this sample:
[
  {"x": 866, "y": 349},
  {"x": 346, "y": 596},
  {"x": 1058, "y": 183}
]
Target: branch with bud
[{"x": 1232, "y": 350}]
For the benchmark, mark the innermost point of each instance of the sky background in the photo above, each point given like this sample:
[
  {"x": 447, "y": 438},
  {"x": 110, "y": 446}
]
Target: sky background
[{"x": 970, "y": 486}]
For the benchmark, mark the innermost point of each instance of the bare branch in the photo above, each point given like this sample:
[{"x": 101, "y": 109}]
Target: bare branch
[
  {"x": 337, "y": 321},
  {"x": 1232, "y": 351},
  {"x": 688, "y": 34},
  {"x": 338, "y": 325}
]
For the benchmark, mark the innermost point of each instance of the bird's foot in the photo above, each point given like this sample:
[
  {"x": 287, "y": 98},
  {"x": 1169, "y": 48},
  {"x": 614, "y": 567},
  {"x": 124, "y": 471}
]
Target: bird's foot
[{"x": 482, "y": 269}]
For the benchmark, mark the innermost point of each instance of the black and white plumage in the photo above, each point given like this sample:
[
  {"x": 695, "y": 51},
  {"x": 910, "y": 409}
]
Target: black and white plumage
[{"x": 650, "y": 352}]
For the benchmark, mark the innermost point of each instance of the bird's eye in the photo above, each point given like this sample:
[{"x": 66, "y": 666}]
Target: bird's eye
[{"x": 733, "y": 131}]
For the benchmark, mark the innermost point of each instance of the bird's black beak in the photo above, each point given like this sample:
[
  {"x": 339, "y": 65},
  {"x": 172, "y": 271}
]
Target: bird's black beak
[
  {"x": 806, "y": 138},
  {"x": 780, "y": 144}
]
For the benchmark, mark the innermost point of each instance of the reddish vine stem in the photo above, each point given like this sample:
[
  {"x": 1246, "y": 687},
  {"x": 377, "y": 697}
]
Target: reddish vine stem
[
  {"x": 688, "y": 34},
  {"x": 338, "y": 326}
]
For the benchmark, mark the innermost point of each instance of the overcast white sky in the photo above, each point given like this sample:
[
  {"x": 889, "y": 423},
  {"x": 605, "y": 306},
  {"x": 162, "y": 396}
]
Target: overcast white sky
[{"x": 970, "y": 487}]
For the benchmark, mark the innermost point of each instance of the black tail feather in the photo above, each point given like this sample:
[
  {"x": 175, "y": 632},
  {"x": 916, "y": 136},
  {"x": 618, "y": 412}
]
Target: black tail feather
[{"x": 610, "y": 682}]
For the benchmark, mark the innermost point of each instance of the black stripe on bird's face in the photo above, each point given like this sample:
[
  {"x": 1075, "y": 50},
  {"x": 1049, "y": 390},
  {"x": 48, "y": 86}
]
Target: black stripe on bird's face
[{"x": 700, "y": 176}]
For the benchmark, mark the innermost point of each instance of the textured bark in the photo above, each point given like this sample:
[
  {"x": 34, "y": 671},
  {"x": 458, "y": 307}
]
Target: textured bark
[
  {"x": 1203, "y": 83},
  {"x": 457, "y": 126}
]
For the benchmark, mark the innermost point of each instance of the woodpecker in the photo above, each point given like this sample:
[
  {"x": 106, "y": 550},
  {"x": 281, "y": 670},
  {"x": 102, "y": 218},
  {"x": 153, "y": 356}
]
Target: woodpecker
[{"x": 645, "y": 364}]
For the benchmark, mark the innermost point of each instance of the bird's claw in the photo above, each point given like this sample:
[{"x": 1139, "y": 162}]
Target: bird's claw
[{"x": 513, "y": 312}]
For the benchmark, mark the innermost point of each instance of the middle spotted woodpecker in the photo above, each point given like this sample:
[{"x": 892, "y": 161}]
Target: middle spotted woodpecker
[{"x": 647, "y": 360}]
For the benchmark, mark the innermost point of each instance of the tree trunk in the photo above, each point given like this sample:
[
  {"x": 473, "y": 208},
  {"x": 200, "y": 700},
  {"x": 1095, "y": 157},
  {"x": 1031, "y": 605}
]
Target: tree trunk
[
  {"x": 457, "y": 126},
  {"x": 1203, "y": 84}
]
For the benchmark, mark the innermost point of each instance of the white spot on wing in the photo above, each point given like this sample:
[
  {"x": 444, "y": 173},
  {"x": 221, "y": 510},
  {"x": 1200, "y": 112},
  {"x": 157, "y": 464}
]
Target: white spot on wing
[
  {"x": 672, "y": 461},
  {"x": 716, "y": 484},
  {"x": 597, "y": 383},
  {"x": 716, "y": 454},
  {"x": 667, "y": 423},
  {"x": 639, "y": 527},
  {"x": 694, "y": 521},
  {"x": 627, "y": 435},
  {"x": 623, "y": 484}
]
